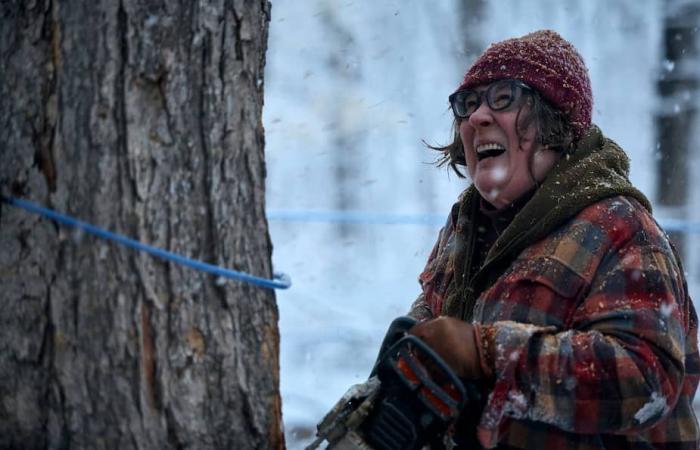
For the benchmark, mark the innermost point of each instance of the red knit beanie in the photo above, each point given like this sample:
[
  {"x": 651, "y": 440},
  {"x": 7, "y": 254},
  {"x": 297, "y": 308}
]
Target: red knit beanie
[{"x": 546, "y": 62}]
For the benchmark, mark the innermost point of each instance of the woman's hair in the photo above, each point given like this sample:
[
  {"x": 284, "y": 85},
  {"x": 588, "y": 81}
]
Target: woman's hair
[{"x": 553, "y": 131}]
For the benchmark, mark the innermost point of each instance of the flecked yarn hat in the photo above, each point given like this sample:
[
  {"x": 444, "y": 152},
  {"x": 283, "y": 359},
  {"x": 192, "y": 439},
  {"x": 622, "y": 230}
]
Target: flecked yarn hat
[{"x": 546, "y": 62}]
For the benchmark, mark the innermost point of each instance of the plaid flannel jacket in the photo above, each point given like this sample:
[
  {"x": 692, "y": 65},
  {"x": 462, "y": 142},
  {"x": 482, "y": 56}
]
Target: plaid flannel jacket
[{"x": 590, "y": 333}]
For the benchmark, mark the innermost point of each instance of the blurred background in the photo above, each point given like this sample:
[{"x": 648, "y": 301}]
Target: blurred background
[{"x": 354, "y": 90}]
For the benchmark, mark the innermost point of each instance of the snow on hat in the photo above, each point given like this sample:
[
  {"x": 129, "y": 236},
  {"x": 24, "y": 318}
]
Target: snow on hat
[{"x": 546, "y": 62}]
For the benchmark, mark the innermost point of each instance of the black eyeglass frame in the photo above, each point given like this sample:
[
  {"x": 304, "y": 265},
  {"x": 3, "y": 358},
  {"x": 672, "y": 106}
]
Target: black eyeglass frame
[{"x": 458, "y": 97}]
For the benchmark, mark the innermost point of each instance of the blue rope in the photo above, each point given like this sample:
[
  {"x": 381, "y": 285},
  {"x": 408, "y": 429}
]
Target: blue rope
[
  {"x": 279, "y": 281},
  {"x": 680, "y": 226},
  {"x": 356, "y": 217},
  {"x": 360, "y": 217}
]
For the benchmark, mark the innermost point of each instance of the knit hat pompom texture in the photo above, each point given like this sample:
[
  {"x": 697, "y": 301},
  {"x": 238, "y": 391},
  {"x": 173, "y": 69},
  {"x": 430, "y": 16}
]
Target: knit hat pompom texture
[{"x": 546, "y": 62}]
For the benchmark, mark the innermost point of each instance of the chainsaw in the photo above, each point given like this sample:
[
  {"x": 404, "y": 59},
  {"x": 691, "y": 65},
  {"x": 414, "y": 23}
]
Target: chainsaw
[{"x": 411, "y": 401}]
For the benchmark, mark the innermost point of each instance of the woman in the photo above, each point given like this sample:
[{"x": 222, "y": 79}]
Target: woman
[{"x": 551, "y": 285}]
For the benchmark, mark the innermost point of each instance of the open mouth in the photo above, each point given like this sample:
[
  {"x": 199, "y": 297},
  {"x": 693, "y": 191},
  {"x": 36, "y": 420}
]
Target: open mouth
[{"x": 489, "y": 150}]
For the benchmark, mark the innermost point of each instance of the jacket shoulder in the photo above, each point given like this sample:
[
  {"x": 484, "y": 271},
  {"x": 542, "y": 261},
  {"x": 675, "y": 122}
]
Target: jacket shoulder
[
  {"x": 603, "y": 227},
  {"x": 621, "y": 220}
]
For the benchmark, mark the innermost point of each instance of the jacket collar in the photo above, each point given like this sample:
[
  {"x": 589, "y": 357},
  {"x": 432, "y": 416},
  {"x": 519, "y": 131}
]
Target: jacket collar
[{"x": 597, "y": 169}]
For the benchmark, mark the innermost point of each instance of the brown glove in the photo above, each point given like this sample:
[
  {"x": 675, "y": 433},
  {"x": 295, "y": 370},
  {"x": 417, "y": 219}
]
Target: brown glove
[{"x": 456, "y": 343}]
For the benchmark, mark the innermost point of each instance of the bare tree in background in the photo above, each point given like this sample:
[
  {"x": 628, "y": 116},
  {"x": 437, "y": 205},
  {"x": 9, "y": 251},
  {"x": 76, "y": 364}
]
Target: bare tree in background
[
  {"x": 342, "y": 64},
  {"x": 143, "y": 117},
  {"x": 470, "y": 14},
  {"x": 679, "y": 88}
]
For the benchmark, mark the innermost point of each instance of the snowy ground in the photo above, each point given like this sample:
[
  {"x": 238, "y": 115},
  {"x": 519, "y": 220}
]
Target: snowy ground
[{"x": 352, "y": 90}]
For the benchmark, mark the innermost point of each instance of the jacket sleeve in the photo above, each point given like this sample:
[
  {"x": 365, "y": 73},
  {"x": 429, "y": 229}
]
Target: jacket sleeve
[
  {"x": 437, "y": 274},
  {"x": 421, "y": 309},
  {"x": 617, "y": 367}
]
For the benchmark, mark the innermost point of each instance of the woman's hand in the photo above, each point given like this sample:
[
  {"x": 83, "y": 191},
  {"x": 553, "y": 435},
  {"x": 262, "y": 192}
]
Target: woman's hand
[{"x": 454, "y": 340}]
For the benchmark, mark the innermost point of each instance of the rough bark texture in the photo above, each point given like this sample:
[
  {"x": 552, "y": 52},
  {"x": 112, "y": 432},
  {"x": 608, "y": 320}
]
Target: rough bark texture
[{"x": 143, "y": 117}]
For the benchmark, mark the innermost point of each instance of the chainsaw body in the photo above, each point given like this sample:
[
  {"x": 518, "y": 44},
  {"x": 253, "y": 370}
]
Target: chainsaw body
[{"x": 409, "y": 402}]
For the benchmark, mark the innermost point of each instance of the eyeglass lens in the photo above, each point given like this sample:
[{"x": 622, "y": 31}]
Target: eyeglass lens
[{"x": 499, "y": 96}]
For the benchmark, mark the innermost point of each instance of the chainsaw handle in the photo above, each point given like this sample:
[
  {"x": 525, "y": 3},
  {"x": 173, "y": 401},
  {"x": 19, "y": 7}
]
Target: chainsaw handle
[
  {"x": 398, "y": 329},
  {"x": 426, "y": 366}
]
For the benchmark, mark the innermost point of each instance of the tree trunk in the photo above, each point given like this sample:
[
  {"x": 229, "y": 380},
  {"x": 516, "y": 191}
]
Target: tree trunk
[
  {"x": 143, "y": 117},
  {"x": 470, "y": 15},
  {"x": 678, "y": 85},
  {"x": 345, "y": 141}
]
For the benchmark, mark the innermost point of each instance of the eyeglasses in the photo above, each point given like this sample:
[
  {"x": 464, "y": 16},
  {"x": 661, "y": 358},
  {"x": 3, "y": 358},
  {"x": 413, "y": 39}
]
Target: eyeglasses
[{"x": 499, "y": 96}]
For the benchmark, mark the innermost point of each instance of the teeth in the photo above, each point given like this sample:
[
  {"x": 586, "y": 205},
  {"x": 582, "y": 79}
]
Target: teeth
[
  {"x": 484, "y": 151},
  {"x": 491, "y": 146}
]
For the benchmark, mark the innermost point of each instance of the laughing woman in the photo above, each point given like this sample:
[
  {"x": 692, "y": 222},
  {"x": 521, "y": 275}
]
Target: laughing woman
[{"x": 551, "y": 285}]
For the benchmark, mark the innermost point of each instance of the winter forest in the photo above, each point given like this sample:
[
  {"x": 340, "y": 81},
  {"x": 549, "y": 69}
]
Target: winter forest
[
  {"x": 260, "y": 138},
  {"x": 352, "y": 95}
]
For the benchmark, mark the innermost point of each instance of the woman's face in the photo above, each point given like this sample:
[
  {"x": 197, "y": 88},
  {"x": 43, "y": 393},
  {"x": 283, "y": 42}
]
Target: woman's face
[{"x": 502, "y": 165}]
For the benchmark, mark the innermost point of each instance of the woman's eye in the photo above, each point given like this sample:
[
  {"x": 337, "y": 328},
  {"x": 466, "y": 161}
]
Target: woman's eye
[{"x": 502, "y": 99}]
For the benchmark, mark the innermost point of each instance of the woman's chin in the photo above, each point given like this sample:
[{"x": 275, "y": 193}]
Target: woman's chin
[
  {"x": 492, "y": 194},
  {"x": 500, "y": 196}
]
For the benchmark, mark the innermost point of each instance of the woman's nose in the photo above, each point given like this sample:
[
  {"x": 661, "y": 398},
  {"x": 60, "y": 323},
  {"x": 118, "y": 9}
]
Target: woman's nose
[{"x": 482, "y": 117}]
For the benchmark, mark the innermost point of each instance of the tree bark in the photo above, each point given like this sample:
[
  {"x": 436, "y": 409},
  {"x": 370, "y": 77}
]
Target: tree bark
[{"x": 143, "y": 117}]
